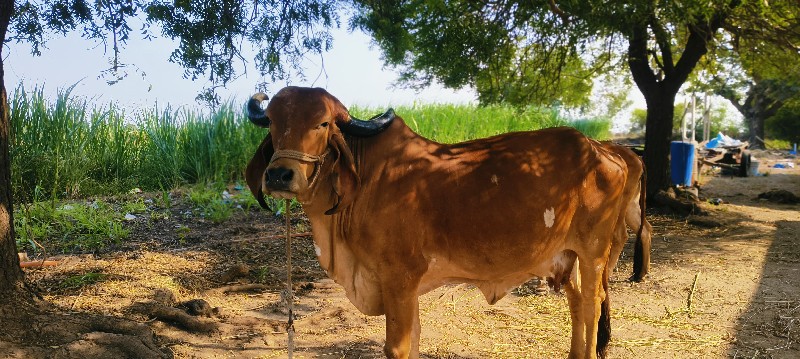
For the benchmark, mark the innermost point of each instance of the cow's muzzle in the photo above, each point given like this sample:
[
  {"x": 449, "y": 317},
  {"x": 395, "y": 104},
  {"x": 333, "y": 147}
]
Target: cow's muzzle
[{"x": 283, "y": 181}]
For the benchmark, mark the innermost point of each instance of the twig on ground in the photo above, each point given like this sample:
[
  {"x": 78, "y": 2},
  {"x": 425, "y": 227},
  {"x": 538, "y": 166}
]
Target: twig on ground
[
  {"x": 691, "y": 294},
  {"x": 239, "y": 288}
]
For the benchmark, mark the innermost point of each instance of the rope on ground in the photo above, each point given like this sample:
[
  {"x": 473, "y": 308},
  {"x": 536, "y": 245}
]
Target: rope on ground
[{"x": 289, "y": 294}]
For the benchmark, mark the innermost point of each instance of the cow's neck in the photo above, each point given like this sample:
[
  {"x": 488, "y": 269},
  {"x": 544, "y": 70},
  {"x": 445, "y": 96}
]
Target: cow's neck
[
  {"x": 369, "y": 155},
  {"x": 393, "y": 143}
]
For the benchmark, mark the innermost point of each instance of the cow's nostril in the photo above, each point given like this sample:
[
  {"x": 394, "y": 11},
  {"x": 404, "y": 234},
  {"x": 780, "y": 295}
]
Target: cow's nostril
[
  {"x": 279, "y": 176},
  {"x": 287, "y": 176}
]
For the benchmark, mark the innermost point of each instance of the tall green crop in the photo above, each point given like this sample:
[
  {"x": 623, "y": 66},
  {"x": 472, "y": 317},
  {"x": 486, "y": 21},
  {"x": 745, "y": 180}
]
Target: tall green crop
[{"x": 70, "y": 148}]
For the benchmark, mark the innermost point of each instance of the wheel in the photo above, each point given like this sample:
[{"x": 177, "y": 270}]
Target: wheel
[{"x": 744, "y": 164}]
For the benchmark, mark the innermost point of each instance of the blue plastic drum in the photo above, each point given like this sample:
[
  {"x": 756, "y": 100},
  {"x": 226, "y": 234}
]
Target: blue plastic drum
[{"x": 681, "y": 163}]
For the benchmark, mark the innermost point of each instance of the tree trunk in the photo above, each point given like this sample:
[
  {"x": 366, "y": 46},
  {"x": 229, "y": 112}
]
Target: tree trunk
[
  {"x": 11, "y": 277},
  {"x": 756, "y": 129},
  {"x": 660, "y": 87},
  {"x": 660, "y": 110}
]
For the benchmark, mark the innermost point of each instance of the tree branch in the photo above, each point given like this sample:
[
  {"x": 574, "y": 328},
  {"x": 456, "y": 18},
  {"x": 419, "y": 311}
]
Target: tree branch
[
  {"x": 700, "y": 34},
  {"x": 637, "y": 59},
  {"x": 662, "y": 39},
  {"x": 560, "y": 13}
]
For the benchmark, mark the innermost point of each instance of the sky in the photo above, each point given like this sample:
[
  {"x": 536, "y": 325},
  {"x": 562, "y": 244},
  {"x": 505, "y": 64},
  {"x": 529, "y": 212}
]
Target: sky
[{"x": 353, "y": 72}]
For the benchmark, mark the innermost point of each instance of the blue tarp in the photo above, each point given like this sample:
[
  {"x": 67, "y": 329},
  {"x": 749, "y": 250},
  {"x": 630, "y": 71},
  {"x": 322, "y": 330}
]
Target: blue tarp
[{"x": 722, "y": 141}]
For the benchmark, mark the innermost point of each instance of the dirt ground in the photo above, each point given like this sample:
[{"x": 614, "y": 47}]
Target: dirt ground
[{"x": 724, "y": 285}]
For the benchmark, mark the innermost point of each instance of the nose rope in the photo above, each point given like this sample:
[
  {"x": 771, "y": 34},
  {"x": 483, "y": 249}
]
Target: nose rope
[{"x": 303, "y": 157}]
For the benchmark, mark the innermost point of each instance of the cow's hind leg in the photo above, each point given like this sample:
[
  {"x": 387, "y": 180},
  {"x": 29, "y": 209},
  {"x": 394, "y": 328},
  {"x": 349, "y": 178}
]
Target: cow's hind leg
[
  {"x": 592, "y": 296},
  {"x": 641, "y": 253},
  {"x": 604, "y": 323},
  {"x": 585, "y": 294},
  {"x": 573, "y": 291}
]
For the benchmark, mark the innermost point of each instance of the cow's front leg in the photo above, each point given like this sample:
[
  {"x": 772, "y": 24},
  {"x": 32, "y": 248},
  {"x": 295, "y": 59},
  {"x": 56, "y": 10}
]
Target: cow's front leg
[
  {"x": 575, "y": 301},
  {"x": 402, "y": 325}
]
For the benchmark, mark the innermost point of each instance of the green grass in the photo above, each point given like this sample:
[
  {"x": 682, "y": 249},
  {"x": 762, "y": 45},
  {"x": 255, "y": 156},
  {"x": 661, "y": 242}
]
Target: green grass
[
  {"x": 448, "y": 123},
  {"x": 81, "y": 280},
  {"x": 69, "y": 148},
  {"x": 74, "y": 227}
]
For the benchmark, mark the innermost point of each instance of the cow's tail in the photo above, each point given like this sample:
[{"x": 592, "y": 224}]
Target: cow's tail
[
  {"x": 604, "y": 322},
  {"x": 638, "y": 249}
]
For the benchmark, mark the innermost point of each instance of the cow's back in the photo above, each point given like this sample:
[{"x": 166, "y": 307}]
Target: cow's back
[{"x": 492, "y": 212}]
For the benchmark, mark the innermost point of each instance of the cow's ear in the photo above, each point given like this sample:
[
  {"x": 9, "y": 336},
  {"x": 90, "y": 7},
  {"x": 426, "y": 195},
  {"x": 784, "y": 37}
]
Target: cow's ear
[
  {"x": 254, "y": 174},
  {"x": 346, "y": 183}
]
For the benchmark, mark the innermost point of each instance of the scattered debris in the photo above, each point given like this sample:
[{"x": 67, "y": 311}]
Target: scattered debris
[
  {"x": 716, "y": 201},
  {"x": 198, "y": 307},
  {"x": 703, "y": 222},
  {"x": 779, "y": 196},
  {"x": 238, "y": 270}
]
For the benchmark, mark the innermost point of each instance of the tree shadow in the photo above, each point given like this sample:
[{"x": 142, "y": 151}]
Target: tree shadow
[{"x": 770, "y": 327}]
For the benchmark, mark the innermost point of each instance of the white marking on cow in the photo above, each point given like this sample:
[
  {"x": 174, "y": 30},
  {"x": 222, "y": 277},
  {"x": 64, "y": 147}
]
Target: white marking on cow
[
  {"x": 494, "y": 179},
  {"x": 317, "y": 250},
  {"x": 549, "y": 217}
]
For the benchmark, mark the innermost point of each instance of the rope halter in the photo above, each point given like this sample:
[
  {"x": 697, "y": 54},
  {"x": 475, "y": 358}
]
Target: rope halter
[{"x": 303, "y": 157}]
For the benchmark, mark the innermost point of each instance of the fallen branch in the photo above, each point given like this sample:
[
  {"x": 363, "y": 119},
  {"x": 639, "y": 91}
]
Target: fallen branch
[
  {"x": 174, "y": 316},
  {"x": 37, "y": 264}
]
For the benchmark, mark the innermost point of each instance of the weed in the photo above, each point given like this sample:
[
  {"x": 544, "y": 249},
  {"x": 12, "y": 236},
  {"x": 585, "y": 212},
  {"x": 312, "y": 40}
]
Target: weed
[
  {"x": 165, "y": 199},
  {"x": 772, "y": 144},
  {"x": 73, "y": 226},
  {"x": 33, "y": 224},
  {"x": 217, "y": 211},
  {"x": 262, "y": 273},
  {"x": 80, "y": 280},
  {"x": 182, "y": 232},
  {"x": 134, "y": 207},
  {"x": 159, "y": 215}
]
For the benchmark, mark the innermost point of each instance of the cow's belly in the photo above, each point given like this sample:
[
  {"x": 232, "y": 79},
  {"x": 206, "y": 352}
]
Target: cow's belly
[{"x": 494, "y": 286}]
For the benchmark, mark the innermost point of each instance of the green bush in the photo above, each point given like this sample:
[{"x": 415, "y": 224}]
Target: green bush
[{"x": 785, "y": 125}]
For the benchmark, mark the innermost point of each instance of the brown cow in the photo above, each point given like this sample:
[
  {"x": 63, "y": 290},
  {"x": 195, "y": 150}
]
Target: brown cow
[
  {"x": 395, "y": 215},
  {"x": 635, "y": 187}
]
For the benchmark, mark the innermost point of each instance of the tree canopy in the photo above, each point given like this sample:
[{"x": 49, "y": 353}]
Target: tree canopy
[
  {"x": 752, "y": 67},
  {"x": 460, "y": 42},
  {"x": 214, "y": 37}
]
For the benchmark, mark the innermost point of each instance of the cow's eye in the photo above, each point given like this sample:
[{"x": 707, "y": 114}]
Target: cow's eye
[{"x": 323, "y": 125}]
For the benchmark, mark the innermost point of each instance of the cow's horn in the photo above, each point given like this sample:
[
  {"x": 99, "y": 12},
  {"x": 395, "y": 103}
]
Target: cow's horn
[
  {"x": 257, "y": 114},
  {"x": 371, "y": 127}
]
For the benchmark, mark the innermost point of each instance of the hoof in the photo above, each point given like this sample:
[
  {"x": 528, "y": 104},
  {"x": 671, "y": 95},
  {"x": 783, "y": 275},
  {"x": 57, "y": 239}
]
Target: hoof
[{"x": 636, "y": 278}]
